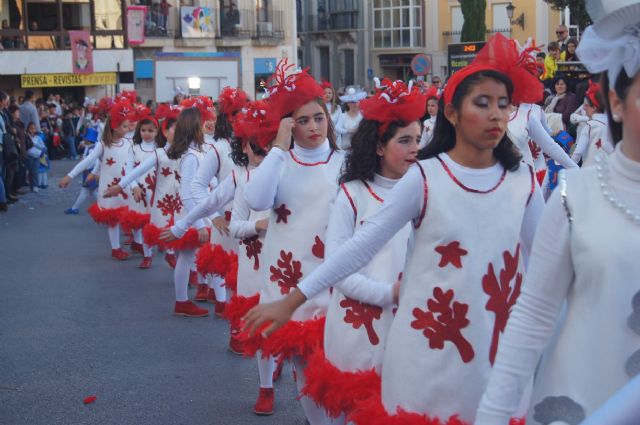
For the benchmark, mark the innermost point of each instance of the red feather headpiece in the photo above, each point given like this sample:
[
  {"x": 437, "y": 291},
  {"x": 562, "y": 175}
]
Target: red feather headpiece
[
  {"x": 326, "y": 85},
  {"x": 103, "y": 106},
  {"x": 121, "y": 111},
  {"x": 203, "y": 104},
  {"x": 232, "y": 100},
  {"x": 141, "y": 112},
  {"x": 166, "y": 112},
  {"x": 394, "y": 101},
  {"x": 251, "y": 124},
  {"x": 501, "y": 54},
  {"x": 432, "y": 93},
  {"x": 289, "y": 92},
  {"x": 593, "y": 90},
  {"x": 129, "y": 95}
]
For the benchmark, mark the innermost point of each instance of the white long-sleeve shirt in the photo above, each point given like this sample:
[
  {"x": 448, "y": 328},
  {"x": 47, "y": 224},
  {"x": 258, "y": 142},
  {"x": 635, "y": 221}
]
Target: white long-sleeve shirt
[
  {"x": 346, "y": 127},
  {"x": 207, "y": 171},
  {"x": 583, "y": 141},
  {"x": 403, "y": 205},
  {"x": 549, "y": 276},
  {"x": 540, "y": 136},
  {"x": 188, "y": 168},
  {"x": 260, "y": 192},
  {"x": 427, "y": 132},
  {"x": 240, "y": 227}
]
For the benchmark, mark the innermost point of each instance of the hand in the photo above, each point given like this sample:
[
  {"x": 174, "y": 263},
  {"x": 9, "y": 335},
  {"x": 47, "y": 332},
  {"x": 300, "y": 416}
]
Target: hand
[
  {"x": 283, "y": 138},
  {"x": 112, "y": 191},
  {"x": 203, "y": 235},
  {"x": 64, "y": 182},
  {"x": 262, "y": 225},
  {"x": 167, "y": 236},
  {"x": 138, "y": 194},
  {"x": 222, "y": 225},
  {"x": 276, "y": 314}
]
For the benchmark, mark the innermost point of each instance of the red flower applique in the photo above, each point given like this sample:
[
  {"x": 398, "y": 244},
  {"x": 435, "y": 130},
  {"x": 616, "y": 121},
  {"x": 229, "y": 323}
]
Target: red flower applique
[
  {"x": 169, "y": 205},
  {"x": 451, "y": 254},
  {"x": 136, "y": 163},
  {"x": 150, "y": 181},
  {"x": 502, "y": 295},
  {"x": 166, "y": 171},
  {"x": 360, "y": 314},
  {"x": 253, "y": 250},
  {"x": 227, "y": 215},
  {"x": 110, "y": 161},
  {"x": 444, "y": 321},
  {"x": 287, "y": 274},
  {"x": 123, "y": 172},
  {"x": 535, "y": 149},
  {"x": 115, "y": 182},
  {"x": 599, "y": 144},
  {"x": 318, "y": 248},
  {"x": 282, "y": 214}
]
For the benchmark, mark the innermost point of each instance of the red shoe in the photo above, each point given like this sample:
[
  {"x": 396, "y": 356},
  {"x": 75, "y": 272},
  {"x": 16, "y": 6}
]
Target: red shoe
[
  {"x": 137, "y": 247},
  {"x": 189, "y": 309},
  {"x": 219, "y": 308},
  {"x": 279, "y": 365},
  {"x": 235, "y": 344},
  {"x": 119, "y": 254},
  {"x": 211, "y": 297},
  {"x": 146, "y": 263},
  {"x": 264, "y": 404},
  {"x": 202, "y": 293},
  {"x": 171, "y": 260},
  {"x": 193, "y": 278}
]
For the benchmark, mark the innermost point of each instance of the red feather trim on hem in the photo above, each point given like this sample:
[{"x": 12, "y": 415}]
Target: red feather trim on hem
[
  {"x": 212, "y": 260},
  {"x": 190, "y": 240},
  {"x": 251, "y": 344},
  {"x": 133, "y": 220},
  {"x": 107, "y": 216},
  {"x": 237, "y": 307},
  {"x": 231, "y": 276},
  {"x": 293, "y": 339},
  {"x": 335, "y": 390}
]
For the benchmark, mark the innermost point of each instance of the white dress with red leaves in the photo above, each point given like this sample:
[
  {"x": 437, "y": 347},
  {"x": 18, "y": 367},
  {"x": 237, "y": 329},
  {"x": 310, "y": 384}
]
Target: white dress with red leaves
[
  {"x": 356, "y": 330},
  {"x": 141, "y": 152},
  {"x": 113, "y": 167},
  {"x": 592, "y": 140},
  {"x": 223, "y": 151},
  {"x": 166, "y": 203}
]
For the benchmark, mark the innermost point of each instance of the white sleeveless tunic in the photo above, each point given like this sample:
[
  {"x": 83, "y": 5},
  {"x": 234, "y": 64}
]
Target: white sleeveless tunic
[
  {"x": 597, "y": 138},
  {"x": 596, "y": 348},
  {"x": 223, "y": 149},
  {"x": 148, "y": 181},
  {"x": 294, "y": 245},
  {"x": 113, "y": 164},
  {"x": 250, "y": 250},
  {"x": 518, "y": 132},
  {"x": 355, "y": 333},
  {"x": 166, "y": 203},
  {"x": 437, "y": 359}
]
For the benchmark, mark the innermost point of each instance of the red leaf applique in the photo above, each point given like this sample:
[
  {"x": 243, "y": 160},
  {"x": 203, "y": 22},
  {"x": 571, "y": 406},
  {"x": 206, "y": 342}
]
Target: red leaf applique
[
  {"x": 166, "y": 171},
  {"x": 123, "y": 172},
  {"x": 502, "y": 295},
  {"x": 253, "y": 250},
  {"x": 282, "y": 214},
  {"x": 451, "y": 254},
  {"x": 136, "y": 163},
  {"x": 535, "y": 149},
  {"x": 169, "y": 205},
  {"x": 287, "y": 274},
  {"x": 227, "y": 215},
  {"x": 110, "y": 161},
  {"x": 150, "y": 181},
  {"x": 318, "y": 248},
  {"x": 115, "y": 182},
  {"x": 360, "y": 314},
  {"x": 90, "y": 399},
  {"x": 444, "y": 322},
  {"x": 599, "y": 144}
]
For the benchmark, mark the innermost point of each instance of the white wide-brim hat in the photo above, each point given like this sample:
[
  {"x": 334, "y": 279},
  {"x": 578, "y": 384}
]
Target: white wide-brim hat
[
  {"x": 352, "y": 95},
  {"x": 612, "y": 18}
]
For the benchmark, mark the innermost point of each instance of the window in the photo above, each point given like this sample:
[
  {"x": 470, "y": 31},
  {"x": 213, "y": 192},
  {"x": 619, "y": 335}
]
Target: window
[
  {"x": 501, "y": 22},
  {"x": 456, "y": 23},
  {"x": 397, "y": 23},
  {"x": 325, "y": 70},
  {"x": 349, "y": 67}
]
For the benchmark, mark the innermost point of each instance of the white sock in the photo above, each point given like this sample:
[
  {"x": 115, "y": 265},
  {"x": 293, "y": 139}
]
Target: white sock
[
  {"x": 137, "y": 236},
  {"x": 148, "y": 251},
  {"x": 315, "y": 415},
  {"x": 181, "y": 273},
  {"x": 82, "y": 196},
  {"x": 265, "y": 370},
  {"x": 216, "y": 283},
  {"x": 114, "y": 236}
]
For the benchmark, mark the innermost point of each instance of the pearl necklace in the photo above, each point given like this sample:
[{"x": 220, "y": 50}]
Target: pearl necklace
[{"x": 602, "y": 168}]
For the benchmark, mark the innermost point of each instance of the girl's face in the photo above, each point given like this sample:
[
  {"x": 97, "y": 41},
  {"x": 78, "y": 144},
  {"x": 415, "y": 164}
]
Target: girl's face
[
  {"x": 254, "y": 158},
  {"x": 629, "y": 113},
  {"x": 148, "y": 132},
  {"x": 561, "y": 87},
  {"x": 482, "y": 119},
  {"x": 209, "y": 127},
  {"x": 311, "y": 124},
  {"x": 122, "y": 129},
  {"x": 328, "y": 95},
  {"x": 571, "y": 48},
  {"x": 432, "y": 107},
  {"x": 399, "y": 152}
]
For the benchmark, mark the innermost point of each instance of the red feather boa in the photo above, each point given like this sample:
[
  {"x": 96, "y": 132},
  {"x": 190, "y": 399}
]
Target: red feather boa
[
  {"x": 133, "y": 220},
  {"x": 231, "y": 275},
  {"x": 336, "y": 390},
  {"x": 212, "y": 260},
  {"x": 190, "y": 240},
  {"x": 107, "y": 216},
  {"x": 237, "y": 307}
]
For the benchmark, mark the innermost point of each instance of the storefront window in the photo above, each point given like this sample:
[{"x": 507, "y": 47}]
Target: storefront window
[{"x": 397, "y": 23}]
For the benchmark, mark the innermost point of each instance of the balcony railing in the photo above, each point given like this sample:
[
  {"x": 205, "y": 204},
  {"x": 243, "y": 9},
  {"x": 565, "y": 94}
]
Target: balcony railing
[
  {"x": 453, "y": 37},
  {"x": 160, "y": 23},
  {"x": 346, "y": 20},
  {"x": 249, "y": 24},
  {"x": 14, "y": 39}
]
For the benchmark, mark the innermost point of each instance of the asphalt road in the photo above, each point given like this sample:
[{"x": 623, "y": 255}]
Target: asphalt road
[{"x": 74, "y": 323}]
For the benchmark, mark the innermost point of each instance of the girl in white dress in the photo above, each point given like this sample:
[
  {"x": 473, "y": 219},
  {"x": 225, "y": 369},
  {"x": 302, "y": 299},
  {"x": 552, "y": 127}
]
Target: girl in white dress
[
  {"x": 429, "y": 125},
  {"x": 331, "y": 102},
  {"x": 349, "y": 120},
  {"x": 592, "y": 139}
]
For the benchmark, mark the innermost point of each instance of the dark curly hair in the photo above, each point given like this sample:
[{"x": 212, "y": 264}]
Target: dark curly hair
[
  {"x": 237, "y": 153},
  {"x": 223, "y": 129},
  {"x": 363, "y": 160},
  {"x": 444, "y": 134}
]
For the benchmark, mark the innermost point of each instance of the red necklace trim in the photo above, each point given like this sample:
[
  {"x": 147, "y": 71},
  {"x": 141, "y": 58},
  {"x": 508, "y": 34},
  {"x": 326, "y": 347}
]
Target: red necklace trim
[
  {"x": 375, "y": 196},
  {"x": 468, "y": 189},
  {"x": 311, "y": 164}
]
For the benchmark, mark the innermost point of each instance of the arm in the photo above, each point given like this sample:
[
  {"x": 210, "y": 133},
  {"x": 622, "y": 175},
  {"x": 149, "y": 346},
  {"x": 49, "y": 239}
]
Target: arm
[
  {"x": 532, "y": 214},
  {"x": 357, "y": 286},
  {"x": 207, "y": 170},
  {"x": 240, "y": 226},
  {"x": 188, "y": 169},
  {"x": 340, "y": 125},
  {"x": 539, "y": 135},
  {"x": 222, "y": 195},
  {"x": 86, "y": 162},
  {"x": 260, "y": 192},
  {"x": 578, "y": 116},
  {"x": 138, "y": 172},
  {"x": 534, "y": 316},
  {"x": 582, "y": 143}
]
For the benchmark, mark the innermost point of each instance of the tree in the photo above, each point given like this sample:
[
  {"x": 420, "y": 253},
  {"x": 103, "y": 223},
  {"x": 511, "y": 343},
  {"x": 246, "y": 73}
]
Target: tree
[
  {"x": 474, "y": 27},
  {"x": 577, "y": 8}
]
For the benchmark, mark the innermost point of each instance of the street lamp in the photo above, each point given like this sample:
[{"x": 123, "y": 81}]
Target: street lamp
[
  {"x": 519, "y": 20},
  {"x": 194, "y": 85}
]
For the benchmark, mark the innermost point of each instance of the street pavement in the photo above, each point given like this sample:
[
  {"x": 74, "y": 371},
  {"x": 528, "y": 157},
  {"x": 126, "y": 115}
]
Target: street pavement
[{"x": 75, "y": 323}]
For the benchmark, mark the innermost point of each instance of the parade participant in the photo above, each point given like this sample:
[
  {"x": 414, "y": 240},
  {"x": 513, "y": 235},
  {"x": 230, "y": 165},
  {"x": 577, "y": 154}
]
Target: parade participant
[
  {"x": 361, "y": 310},
  {"x": 298, "y": 184},
  {"x": 430, "y": 123},
  {"x": 331, "y": 102},
  {"x": 593, "y": 140},
  {"x": 474, "y": 207},
  {"x": 89, "y": 184},
  {"x": 349, "y": 120},
  {"x": 113, "y": 152},
  {"x": 580, "y": 303},
  {"x": 146, "y": 140}
]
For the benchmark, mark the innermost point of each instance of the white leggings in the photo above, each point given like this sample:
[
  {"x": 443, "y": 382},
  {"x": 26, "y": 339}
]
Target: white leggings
[
  {"x": 82, "y": 197},
  {"x": 266, "y": 366},
  {"x": 315, "y": 415},
  {"x": 114, "y": 236},
  {"x": 217, "y": 284},
  {"x": 181, "y": 273},
  {"x": 137, "y": 236}
]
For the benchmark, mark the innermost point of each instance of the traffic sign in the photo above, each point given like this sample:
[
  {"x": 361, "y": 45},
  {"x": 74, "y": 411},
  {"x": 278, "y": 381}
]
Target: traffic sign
[{"x": 421, "y": 64}]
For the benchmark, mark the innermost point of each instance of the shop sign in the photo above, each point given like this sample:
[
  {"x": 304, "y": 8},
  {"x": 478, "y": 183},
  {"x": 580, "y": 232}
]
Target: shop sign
[{"x": 66, "y": 80}]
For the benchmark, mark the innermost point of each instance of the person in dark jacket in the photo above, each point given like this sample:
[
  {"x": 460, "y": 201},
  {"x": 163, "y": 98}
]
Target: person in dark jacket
[{"x": 562, "y": 102}]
